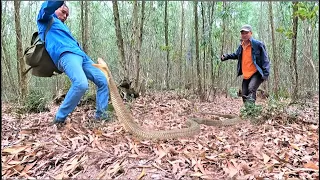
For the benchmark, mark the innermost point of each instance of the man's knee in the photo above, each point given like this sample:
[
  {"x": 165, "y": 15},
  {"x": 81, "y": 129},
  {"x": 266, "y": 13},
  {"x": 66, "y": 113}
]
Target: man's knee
[
  {"x": 81, "y": 86},
  {"x": 252, "y": 89},
  {"x": 101, "y": 81}
]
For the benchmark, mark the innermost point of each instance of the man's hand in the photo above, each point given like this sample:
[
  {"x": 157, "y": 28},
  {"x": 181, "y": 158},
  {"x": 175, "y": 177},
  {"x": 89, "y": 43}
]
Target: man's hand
[{"x": 223, "y": 58}]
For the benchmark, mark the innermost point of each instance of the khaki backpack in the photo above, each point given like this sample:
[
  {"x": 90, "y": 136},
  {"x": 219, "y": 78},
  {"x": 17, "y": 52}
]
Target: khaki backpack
[{"x": 37, "y": 57}]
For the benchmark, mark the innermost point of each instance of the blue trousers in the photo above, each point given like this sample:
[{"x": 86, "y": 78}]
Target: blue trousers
[{"x": 79, "y": 69}]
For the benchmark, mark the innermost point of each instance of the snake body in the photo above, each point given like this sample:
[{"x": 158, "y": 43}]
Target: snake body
[{"x": 125, "y": 116}]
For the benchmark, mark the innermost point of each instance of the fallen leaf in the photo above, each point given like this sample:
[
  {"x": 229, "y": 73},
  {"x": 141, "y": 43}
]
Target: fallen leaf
[
  {"x": 161, "y": 153},
  {"x": 61, "y": 176},
  {"x": 114, "y": 169},
  {"x": 294, "y": 146},
  {"x": 143, "y": 173},
  {"x": 197, "y": 174},
  {"x": 71, "y": 165},
  {"x": 27, "y": 132},
  {"x": 14, "y": 150},
  {"x": 311, "y": 165},
  {"x": 266, "y": 158},
  {"x": 231, "y": 170},
  {"x": 313, "y": 127},
  {"x": 220, "y": 139},
  {"x": 245, "y": 168},
  {"x": 213, "y": 158}
]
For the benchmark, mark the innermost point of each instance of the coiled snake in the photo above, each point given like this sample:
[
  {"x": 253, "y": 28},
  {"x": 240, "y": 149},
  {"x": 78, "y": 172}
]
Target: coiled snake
[{"x": 125, "y": 116}]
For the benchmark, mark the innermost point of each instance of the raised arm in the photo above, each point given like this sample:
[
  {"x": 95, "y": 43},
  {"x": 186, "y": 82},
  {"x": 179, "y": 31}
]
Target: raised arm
[
  {"x": 231, "y": 56},
  {"x": 47, "y": 9}
]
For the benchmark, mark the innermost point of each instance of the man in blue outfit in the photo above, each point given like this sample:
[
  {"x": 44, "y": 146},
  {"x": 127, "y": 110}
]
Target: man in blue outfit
[{"x": 69, "y": 58}]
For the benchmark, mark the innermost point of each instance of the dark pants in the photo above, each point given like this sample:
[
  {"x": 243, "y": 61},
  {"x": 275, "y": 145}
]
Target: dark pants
[{"x": 250, "y": 87}]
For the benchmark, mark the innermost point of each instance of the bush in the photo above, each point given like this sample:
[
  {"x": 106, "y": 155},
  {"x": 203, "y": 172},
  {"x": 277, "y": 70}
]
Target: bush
[
  {"x": 233, "y": 92},
  {"x": 35, "y": 102},
  {"x": 250, "y": 110}
]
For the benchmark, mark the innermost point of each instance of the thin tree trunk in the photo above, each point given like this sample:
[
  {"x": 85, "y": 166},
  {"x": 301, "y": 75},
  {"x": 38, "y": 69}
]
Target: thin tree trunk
[
  {"x": 294, "y": 53},
  {"x": 82, "y": 21},
  {"x": 86, "y": 28},
  {"x": 210, "y": 15},
  {"x": 134, "y": 39},
  {"x": 204, "y": 49},
  {"x": 181, "y": 41},
  {"x": 167, "y": 43},
  {"x": 20, "y": 62},
  {"x": 222, "y": 40},
  {"x": 138, "y": 47},
  {"x": 6, "y": 63},
  {"x": 274, "y": 53},
  {"x": 119, "y": 39},
  {"x": 195, "y": 10}
]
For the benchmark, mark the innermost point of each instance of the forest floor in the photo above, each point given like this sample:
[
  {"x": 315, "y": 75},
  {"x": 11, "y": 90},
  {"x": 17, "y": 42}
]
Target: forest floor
[{"x": 286, "y": 145}]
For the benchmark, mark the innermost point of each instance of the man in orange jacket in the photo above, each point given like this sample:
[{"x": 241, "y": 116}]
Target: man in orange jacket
[{"x": 253, "y": 63}]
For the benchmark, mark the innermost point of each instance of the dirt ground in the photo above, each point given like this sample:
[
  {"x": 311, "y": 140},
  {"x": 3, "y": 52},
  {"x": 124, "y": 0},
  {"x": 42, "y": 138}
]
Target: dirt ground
[{"x": 84, "y": 149}]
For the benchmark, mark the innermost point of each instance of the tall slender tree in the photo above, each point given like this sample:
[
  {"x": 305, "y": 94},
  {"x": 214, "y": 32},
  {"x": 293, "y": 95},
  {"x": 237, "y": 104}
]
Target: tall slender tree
[
  {"x": 20, "y": 63},
  {"x": 195, "y": 11},
  {"x": 294, "y": 52},
  {"x": 120, "y": 39},
  {"x": 166, "y": 42},
  {"x": 274, "y": 53}
]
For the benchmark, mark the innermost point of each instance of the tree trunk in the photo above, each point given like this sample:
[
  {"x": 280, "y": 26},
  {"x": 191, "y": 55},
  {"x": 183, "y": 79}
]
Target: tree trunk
[
  {"x": 20, "y": 63},
  {"x": 167, "y": 43},
  {"x": 134, "y": 40},
  {"x": 204, "y": 48},
  {"x": 181, "y": 41},
  {"x": 5, "y": 59},
  {"x": 82, "y": 22},
  {"x": 210, "y": 43},
  {"x": 86, "y": 28},
  {"x": 195, "y": 10},
  {"x": 119, "y": 39},
  {"x": 84, "y": 25},
  {"x": 274, "y": 53},
  {"x": 138, "y": 37},
  {"x": 294, "y": 53},
  {"x": 222, "y": 42}
]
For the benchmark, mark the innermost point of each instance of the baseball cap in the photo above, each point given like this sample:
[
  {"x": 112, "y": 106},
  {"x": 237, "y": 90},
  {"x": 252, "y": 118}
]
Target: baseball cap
[{"x": 246, "y": 27}]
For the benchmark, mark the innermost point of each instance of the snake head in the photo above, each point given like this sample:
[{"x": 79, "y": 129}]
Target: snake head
[{"x": 102, "y": 65}]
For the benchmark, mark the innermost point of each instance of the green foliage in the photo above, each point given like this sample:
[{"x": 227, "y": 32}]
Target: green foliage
[
  {"x": 274, "y": 106},
  {"x": 110, "y": 108},
  {"x": 283, "y": 92},
  {"x": 304, "y": 12},
  {"x": 287, "y": 32},
  {"x": 35, "y": 102},
  {"x": 280, "y": 110},
  {"x": 251, "y": 110},
  {"x": 233, "y": 92},
  {"x": 165, "y": 48}
]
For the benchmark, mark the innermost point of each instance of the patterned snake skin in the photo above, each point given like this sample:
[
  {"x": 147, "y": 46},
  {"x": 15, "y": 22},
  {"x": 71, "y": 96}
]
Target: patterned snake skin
[{"x": 125, "y": 116}]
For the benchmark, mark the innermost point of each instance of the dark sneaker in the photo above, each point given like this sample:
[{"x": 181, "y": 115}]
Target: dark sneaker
[
  {"x": 59, "y": 123},
  {"x": 104, "y": 117}
]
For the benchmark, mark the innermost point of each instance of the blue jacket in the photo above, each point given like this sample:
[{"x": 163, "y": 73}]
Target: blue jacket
[
  {"x": 59, "y": 38},
  {"x": 259, "y": 58}
]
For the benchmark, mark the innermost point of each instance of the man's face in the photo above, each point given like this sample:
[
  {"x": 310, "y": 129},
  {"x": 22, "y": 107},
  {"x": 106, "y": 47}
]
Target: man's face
[
  {"x": 246, "y": 35},
  {"x": 62, "y": 13}
]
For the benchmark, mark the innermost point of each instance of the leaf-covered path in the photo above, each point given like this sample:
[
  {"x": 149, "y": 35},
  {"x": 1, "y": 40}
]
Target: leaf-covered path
[{"x": 33, "y": 147}]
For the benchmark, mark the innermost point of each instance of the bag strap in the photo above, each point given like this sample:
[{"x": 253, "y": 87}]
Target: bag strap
[{"x": 48, "y": 27}]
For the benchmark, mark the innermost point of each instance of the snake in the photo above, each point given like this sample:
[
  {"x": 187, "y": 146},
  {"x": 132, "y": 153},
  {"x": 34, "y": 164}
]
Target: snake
[{"x": 125, "y": 117}]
